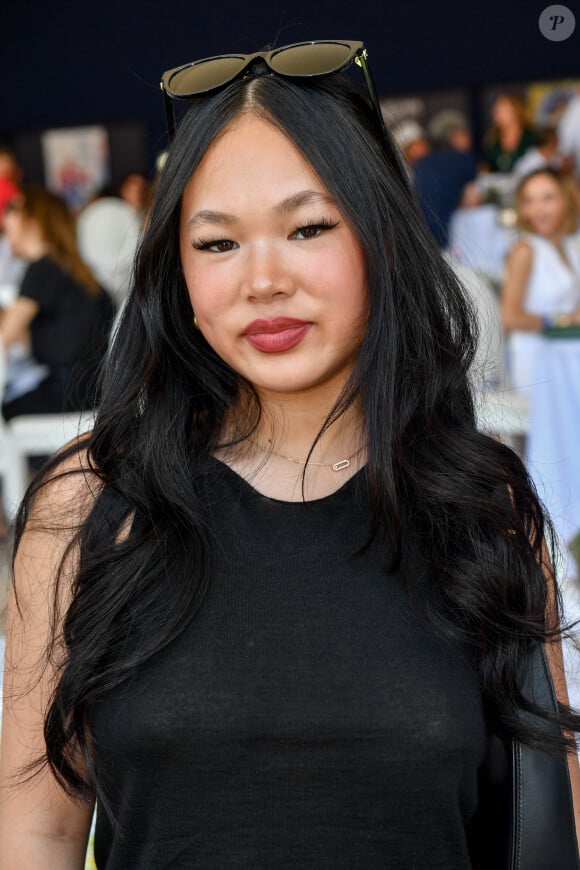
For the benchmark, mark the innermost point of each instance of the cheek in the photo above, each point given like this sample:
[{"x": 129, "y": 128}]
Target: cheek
[
  {"x": 206, "y": 291},
  {"x": 13, "y": 231},
  {"x": 210, "y": 301},
  {"x": 347, "y": 294},
  {"x": 349, "y": 276},
  {"x": 528, "y": 209},
  {"x": 214, "y": 310}
]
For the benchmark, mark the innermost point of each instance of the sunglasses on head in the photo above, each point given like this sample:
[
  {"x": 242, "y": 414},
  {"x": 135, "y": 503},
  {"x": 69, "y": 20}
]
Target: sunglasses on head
[{"x": 300, "y": 60}]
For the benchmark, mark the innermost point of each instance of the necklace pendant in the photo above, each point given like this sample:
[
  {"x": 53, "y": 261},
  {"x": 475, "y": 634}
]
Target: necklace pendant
[{"x": 342, "y": 463}]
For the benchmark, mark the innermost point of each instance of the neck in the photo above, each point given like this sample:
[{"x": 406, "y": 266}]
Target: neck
[
  {"x": 291, "y": 422},
  {"x": 273, "y": 456},
  {"x": 35, "y": 249}
]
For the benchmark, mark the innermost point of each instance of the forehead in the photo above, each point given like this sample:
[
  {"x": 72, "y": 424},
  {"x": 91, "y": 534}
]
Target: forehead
[
  {"x": 251, "y": 158},
  {"x": 540, "y": 184}
]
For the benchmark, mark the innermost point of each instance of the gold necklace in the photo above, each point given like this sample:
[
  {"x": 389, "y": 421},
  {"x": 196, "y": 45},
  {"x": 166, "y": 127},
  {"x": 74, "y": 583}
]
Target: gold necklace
[{"x": 336, "y": 466}]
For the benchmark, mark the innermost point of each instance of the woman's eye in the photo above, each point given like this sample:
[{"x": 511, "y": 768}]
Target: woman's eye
[
  {"x": 312, "y": 231},
  {"x": 217, "y": 246}
]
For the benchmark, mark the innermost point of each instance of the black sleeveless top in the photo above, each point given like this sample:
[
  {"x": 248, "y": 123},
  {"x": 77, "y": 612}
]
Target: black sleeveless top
[{"x": 308, "y": 717}]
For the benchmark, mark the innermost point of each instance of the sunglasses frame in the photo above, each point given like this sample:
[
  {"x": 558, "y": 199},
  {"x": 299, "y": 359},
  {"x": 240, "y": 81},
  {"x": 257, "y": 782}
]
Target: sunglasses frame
[{"x": 358, "y": 54}]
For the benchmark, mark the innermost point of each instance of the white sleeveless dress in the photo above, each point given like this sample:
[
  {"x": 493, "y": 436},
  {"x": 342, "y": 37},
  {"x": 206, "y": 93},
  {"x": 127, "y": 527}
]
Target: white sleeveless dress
[{"x": 553, "y": 288}]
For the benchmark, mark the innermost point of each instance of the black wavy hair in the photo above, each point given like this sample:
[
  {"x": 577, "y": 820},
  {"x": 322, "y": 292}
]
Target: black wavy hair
[{"x": 458, "y": 504}]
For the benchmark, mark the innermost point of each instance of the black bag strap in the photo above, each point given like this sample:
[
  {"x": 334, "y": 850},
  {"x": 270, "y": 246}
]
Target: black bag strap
[
  {"x": 543, "y": 828},
  {"x": 525, "y": 820}
]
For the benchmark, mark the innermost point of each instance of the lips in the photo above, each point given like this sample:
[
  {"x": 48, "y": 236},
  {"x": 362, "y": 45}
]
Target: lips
[{"x": 275, "y": 334}]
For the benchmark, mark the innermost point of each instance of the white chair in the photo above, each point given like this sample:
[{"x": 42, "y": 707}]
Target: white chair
[
  {"x": 32, "y": 435},
  {"x": 37, "y": 435}
]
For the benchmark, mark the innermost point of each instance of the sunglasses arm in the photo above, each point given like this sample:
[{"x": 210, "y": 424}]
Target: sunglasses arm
[
  {"x": 361, "y": 60},
  {"x": 169, "y": 114}
]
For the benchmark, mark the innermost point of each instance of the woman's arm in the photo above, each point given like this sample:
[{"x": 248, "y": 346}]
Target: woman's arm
[
  {"x": 16, "y": 320},
  {"x": 514, "y": 289},
  {"x": 556, "y": 662},
  {"x": 40, "y": 826}
]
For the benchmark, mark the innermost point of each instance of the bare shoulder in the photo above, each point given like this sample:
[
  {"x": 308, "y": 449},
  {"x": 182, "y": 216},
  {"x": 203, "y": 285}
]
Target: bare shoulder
[
  {"x": 521, "y": 252},
  {"x": 60, "y": 501},
  {"x": 63, "y": 497},
  {"x": 39, "y": 823}
]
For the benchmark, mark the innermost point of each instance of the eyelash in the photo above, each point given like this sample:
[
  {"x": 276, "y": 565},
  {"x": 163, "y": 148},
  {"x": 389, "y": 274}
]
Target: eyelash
[
  {"x": 323, "y": 224},
  {"x": 206, "y": 244}
]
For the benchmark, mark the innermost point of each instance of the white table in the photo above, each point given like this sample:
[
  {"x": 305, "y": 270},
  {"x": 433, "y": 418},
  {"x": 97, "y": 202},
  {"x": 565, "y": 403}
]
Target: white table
[{"x": 553, "y": 446}]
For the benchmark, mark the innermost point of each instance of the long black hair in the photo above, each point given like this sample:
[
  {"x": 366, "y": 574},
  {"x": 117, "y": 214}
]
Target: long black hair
[{"x": 458, "y": 505}]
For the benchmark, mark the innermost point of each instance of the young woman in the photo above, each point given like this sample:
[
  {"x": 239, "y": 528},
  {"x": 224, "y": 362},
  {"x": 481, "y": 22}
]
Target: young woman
[
  {"x": 61, "y": 318},
  {"x": 270, "y": 612},
  {"x": 510, "y": 136},
  {"x": 542, "y": 281}
]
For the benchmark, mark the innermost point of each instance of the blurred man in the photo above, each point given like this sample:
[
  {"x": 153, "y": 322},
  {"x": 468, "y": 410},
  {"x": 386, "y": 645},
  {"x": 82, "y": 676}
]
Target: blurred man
[
  {"x": 441, "y": 174},
  {"x": 412, "y": 140}
]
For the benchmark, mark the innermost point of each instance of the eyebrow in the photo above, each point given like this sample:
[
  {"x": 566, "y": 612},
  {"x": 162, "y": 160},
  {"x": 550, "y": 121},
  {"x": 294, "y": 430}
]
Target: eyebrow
[
  {"x": 291, "y": 203},
  {"x": 305, "y": 197}
]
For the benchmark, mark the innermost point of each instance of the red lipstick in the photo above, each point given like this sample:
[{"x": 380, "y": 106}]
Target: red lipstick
[{"x": 275, "y": 334}]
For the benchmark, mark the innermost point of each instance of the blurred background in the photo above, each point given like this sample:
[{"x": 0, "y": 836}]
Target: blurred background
[
  {"x": 477, "y": 95},
  {"x": 68, "y": 64}
]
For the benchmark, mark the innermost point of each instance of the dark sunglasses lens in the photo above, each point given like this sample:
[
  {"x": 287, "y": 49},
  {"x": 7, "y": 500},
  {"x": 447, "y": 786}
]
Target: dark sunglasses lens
[
  {"x": 204, "y": 76},
  {"x": 311, "y": 59}
]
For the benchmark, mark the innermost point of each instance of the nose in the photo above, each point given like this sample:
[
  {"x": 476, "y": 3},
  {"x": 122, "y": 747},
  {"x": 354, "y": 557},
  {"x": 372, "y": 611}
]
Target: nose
[{"x": 266, "y": 274}]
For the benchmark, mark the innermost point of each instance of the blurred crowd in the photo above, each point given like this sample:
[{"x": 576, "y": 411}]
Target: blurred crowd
[
  {"x": 506, "y": 213},
  {"x": 63, "y": 277},
  {"x": 505, "y": 209},
  {"x": 451, "y": 171},
  {"x": 508, "y": 208}
]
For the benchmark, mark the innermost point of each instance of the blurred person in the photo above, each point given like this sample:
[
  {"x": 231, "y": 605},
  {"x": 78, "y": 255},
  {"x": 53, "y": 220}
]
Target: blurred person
[
  {"x": 569, "y": 131},
  {"x": 441, "y": 175},
  {"x": 9, "y": 167},
  {"x": 108, "y": 230},
  {"x": 412, "y": 140},
  {"x": 450, "y": 129},
  {"x": 546, "y": 152},
  {"x": 135, "y": 189},
  {"x": 61, "y": 316},
  {"x": 11, "y": 267},
  {"x": 541, "y": 288},
  {"x": 510, "y": 136}
]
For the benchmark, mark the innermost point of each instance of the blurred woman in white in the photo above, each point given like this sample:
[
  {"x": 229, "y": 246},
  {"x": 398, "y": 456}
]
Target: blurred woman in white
[{"x": 541, "y": 288}]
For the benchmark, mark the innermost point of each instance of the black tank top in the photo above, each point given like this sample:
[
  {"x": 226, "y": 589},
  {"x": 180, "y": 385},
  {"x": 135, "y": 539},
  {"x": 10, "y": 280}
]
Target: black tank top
[{"x": 308, "y": 717}]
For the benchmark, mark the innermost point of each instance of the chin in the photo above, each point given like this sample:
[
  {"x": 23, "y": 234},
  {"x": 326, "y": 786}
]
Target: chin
[
  {"x": 289, "y": 386},
  {"x": 284, "y": 385}
]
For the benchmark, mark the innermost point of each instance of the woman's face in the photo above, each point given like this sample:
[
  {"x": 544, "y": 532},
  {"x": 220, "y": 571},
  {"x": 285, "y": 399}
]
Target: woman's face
[
  {"x": 504, "y": 112},
  {"x": 276, "y": 276},
  {"x": 543, "y": 205},
  {"x": 20, "y": 229},
  {"x": 14, "y": 226}
]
